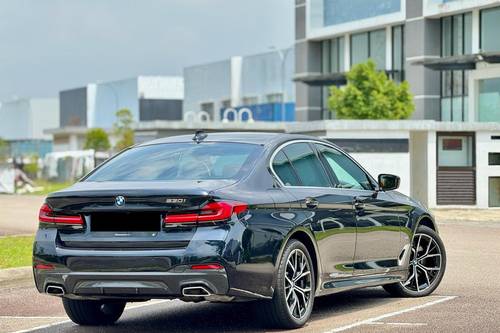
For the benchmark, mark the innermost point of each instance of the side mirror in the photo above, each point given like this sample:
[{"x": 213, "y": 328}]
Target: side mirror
[{"x": 388, "y": 182}]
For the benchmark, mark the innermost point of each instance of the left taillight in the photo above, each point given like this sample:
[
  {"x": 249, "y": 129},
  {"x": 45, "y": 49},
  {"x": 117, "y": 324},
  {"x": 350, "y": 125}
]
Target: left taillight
[
  {"x": 48, "y": 217},
  {"x": 216, "y": 211}
]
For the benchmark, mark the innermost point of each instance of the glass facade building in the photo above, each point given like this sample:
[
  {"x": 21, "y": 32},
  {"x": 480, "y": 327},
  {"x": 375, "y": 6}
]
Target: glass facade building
[{"x": 344, "y": 11}]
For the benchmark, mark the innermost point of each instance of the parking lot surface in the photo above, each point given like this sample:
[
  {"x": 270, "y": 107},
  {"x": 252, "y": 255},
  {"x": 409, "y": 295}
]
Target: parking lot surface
[{"x": 468, "y": 300}]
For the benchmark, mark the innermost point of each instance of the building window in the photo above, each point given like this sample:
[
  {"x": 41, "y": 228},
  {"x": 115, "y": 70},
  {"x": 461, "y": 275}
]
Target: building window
[
  {"x": 226, "y": 104},
  {"x": 274, "y": 98},
  {"x": 490, "y": 25},
  {"x": 398, "y": 57},
  {"x": 332, "y": 55},
  {"x": 369, "y": 45},
  {"x": 456, "y": 39},
  {"x": 208, "y": 107},
  {"x": 494, "y": 159},
  {"x": 250, "y": 100},
  {"x": 455, "y": 151},
  {"x": 489, "y": 100},
  {"x": 343, "y": 11},
  {"x": 494, "y": 191}
]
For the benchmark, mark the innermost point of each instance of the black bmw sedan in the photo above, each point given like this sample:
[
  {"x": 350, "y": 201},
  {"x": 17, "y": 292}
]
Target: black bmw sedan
[{"x": 275, "y": 218}]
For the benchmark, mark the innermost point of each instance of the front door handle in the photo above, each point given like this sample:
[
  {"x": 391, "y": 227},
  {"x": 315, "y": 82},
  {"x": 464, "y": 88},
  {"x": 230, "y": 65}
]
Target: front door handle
[{"x": 311, "y": 203}]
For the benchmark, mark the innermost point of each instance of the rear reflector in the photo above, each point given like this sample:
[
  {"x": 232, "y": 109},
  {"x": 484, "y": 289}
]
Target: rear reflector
[
  {"x": 44, "y": 266},
  {"x": 211, "y": 212},
  {"x": 207, "y": 267},
  {"x": 47, "y": 215}
]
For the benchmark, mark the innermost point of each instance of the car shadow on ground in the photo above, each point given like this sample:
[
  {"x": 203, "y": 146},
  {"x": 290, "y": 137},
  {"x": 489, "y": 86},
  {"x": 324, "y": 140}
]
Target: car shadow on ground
[{"x": 228, "y": 317}]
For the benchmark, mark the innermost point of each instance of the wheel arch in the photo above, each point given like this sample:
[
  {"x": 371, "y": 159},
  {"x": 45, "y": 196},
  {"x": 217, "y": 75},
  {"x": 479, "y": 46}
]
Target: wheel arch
[
  {"x": 428, "y": 221},
  {"x": 304, "y": 236}
]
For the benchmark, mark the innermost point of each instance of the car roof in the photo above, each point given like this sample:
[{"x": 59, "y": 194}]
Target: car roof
[{"x": 260, "y": 138}]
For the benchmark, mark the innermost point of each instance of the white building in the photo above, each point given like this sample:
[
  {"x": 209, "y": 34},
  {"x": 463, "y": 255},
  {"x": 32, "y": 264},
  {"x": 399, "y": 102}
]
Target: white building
[
  {"x": 95, "y": 105},
  {"x": 147, "y": 97},
  {"x": 27, "y": 118},
  {"x": 259, "y": 82},
  {"x": 421, "y": 152},
  {"x": 23, "y": 121}
]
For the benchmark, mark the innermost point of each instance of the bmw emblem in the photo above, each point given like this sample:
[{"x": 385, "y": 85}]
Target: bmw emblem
[{"x": 119, "y": 201}]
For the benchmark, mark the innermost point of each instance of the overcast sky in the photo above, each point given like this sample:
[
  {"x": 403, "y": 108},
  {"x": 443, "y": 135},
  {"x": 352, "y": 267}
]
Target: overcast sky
[{"x": 51, "y": 45}]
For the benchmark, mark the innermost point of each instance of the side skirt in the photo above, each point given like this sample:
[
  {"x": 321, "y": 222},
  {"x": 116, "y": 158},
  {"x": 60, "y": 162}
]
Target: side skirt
[{"x": 357, "y": 282}]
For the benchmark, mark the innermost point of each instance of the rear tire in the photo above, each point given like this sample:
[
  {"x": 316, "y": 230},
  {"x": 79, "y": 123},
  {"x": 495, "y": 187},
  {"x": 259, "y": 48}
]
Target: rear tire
[
  {"x": 293, "y": 298},
  {"x": 427, "y": 266},
  {"x": 93, "y": 313}
]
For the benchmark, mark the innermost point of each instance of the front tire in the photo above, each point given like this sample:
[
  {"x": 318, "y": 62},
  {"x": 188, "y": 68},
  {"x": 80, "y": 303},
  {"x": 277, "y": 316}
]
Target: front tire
[
  {"x": 93, "y": 313},
  {"x": 293, "y": 298},
  {"x": 426, "y": 268}
]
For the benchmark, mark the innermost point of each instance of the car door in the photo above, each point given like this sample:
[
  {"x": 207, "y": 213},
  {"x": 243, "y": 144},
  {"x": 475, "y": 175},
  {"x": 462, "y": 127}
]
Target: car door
[
  {"x": 330, "y": 213},
  {"x": 378, "y": 224}
]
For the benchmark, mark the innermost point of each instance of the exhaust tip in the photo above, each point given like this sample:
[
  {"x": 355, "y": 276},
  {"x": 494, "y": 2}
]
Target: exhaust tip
[
  {"x": 195, "y": 291},
  {"x": 54, "y": 290}
]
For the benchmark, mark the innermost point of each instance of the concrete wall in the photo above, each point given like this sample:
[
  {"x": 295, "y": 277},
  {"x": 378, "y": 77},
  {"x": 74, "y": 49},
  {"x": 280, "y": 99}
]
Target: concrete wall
[
  {"x": 26, "y": 119},
  {"x": 208, "y": 83},
  {"x": 109, "y": 97},
  {"x": 44, "y": 115},
  {"x": 261, "y": 75},
  {"x": 393, "y": 163},
  {"x": 485, "y": 145}
]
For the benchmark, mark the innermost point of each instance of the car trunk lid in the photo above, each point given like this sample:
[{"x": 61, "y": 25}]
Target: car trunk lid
[{"x": 130, "y": 215}]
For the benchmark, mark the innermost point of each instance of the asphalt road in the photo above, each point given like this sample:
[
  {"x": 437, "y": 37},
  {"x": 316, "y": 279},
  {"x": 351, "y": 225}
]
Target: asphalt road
[{"x": 468, "y": 300}]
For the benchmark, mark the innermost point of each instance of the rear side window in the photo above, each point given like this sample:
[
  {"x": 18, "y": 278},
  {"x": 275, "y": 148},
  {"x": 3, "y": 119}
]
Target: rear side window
[
  {"x": 347, "y": 174},
  {"x": 180, "y": 161},
  {"x": 306, "y": 165},
  {"x": 284, "y": 170}
]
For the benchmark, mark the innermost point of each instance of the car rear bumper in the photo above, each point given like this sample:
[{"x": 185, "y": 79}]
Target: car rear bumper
[
  {"x": 132, "y": 285},
  {"x": 131, "y": 273}
]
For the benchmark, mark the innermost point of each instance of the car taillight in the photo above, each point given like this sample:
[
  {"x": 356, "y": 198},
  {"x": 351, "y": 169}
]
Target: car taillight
[
  {"x": 212, "y": 212},
  {"x": 47, "y": 216}
]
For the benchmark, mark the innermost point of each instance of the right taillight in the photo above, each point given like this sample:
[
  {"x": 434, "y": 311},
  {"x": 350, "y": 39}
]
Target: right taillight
[
  {"x": 215, "y": 211},
  {"x": 46, "y": 216}
]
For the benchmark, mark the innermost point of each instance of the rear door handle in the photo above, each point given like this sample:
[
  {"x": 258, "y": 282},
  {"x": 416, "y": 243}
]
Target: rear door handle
[
  {"x": 359, "y": 205},
  {"x": 312, "y": 203}
]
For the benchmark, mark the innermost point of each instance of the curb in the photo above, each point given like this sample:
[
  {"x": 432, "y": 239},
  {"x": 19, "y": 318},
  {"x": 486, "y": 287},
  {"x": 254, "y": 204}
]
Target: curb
[{"x": 17, "y": 273}]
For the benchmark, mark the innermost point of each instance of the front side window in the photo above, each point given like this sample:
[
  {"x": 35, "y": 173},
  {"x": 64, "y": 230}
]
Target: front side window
[
  {"x": 306, "y": 165},
  {"x": 180, "y": 161},
  {"x": 347, "y": 174}
]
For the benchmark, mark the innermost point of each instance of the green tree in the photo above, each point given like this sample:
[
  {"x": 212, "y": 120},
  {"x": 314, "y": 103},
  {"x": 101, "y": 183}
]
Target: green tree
[
  {"x": 370, "y": 94},
  {"x": 122, "y": 129},
  {"x": 97, "y": 139}
]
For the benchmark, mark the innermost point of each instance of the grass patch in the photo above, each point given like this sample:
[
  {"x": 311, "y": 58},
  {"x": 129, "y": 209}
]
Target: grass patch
[
  {"x": 49, "y": 187},
  {"x": 16, "y": 251}
]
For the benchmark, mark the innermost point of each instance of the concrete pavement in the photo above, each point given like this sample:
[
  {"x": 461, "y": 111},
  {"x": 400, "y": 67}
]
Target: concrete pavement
[
  {"x": 19, "y": 214},
  {"x": 468, "y": 300}
]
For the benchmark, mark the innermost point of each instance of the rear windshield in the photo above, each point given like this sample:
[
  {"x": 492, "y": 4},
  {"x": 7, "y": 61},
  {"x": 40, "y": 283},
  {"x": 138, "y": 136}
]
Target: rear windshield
[{"x": 179, "y": 161}]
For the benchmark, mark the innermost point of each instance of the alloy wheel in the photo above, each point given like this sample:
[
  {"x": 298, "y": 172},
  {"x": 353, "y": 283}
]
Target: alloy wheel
[
  {"x": 298, "y": 284},
  {"x": 425, "y": 263}
]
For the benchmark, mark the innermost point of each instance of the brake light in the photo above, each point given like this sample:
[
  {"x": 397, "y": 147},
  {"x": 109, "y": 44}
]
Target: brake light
[
  {"x": 212, "y": 212},
  {"x": 44, "y": 266},
  {"x": 47, "y": 215}
]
